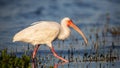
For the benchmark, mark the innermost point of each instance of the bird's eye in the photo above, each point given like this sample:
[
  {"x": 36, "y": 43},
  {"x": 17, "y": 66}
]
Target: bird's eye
[{"x": 69, "y": 22}]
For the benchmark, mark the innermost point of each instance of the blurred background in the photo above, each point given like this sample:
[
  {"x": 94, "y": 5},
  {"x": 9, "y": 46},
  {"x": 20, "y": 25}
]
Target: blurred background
[{"x": 98, "y": 19}]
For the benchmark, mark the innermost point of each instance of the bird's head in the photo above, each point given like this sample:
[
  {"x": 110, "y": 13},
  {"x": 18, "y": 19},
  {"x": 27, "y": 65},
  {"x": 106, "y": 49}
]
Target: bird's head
[{"x": 70, "y": 23}]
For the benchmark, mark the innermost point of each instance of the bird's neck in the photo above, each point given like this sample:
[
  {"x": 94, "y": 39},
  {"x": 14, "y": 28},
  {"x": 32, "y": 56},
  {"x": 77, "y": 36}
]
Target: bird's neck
[{"x": 64, "y": 31}]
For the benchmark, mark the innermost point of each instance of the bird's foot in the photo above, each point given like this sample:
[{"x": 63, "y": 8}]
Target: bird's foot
[{"x": 66, "y": 61}]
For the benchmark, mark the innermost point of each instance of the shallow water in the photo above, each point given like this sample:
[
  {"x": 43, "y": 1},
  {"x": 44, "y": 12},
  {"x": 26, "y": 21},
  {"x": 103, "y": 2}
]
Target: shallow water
[
  {"x": 92, "y": 16},
  {"x": 86, "y": 65}
]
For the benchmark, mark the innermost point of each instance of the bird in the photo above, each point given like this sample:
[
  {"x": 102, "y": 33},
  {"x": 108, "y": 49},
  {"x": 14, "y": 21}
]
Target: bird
[{"x": 45, "y": 32}]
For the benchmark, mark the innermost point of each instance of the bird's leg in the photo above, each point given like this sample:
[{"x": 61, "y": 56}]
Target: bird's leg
[
  {"x": 33, "y": 56},
  {"x": 56, "y": 55},
  {"x": 35, "y": 51}
]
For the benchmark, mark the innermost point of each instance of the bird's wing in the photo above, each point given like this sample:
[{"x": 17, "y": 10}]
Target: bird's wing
[
  {"x": 34, "y": 23},
  {"x": 39, "y": 33}
]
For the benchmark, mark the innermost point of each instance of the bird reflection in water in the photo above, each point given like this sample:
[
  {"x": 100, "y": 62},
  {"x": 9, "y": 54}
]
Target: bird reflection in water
[{"x": 56, "y": 65}]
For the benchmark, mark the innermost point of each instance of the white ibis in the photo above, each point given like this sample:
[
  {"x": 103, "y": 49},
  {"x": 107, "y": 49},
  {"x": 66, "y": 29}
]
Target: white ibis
[{"x": 44, "y": 32}]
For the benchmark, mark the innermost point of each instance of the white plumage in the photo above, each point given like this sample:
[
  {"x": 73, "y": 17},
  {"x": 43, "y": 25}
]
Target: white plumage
[{"x": 41, "y": 33}]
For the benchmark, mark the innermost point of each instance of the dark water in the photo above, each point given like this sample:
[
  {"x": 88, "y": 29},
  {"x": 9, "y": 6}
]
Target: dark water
[{"x": 89, "y": 15}]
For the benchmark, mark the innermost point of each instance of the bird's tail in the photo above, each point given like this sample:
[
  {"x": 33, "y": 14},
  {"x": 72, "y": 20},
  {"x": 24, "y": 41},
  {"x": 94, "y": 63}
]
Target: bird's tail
[{"x": 15, "y": 38}]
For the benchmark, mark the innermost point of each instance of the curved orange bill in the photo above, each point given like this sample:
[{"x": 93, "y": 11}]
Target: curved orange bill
[{"x": 71, "y": 24}]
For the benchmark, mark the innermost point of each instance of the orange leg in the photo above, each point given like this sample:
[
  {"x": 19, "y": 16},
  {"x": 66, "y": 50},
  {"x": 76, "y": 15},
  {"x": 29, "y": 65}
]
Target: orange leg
[
  {"x": 35, "y": 51},
  {"x": 56, "y": 55},
  {"x": 33, "y": 56}
]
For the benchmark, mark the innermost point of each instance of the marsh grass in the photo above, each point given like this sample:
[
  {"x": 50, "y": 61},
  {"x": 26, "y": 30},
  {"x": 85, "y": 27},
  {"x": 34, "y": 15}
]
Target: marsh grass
[{"x": 12, "y": 61}]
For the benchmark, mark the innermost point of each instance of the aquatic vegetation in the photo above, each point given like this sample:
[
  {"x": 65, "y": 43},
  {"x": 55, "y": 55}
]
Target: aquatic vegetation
[{"x": 11, "y": 61}]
